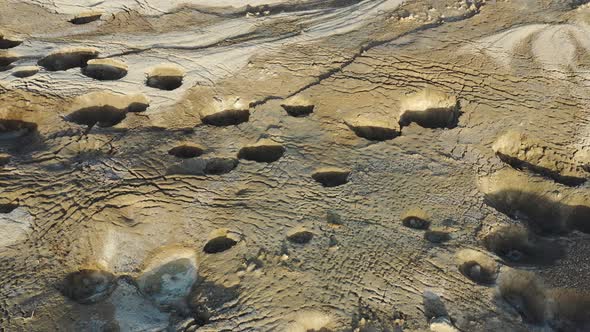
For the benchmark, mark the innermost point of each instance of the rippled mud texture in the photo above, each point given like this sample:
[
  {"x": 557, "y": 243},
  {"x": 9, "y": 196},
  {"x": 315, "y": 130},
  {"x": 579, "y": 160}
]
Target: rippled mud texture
[{"x": 294, "y": 165}]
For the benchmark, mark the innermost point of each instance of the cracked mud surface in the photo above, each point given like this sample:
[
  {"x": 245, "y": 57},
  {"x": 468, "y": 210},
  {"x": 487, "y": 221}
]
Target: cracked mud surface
[{"x": 294, "y": 165}]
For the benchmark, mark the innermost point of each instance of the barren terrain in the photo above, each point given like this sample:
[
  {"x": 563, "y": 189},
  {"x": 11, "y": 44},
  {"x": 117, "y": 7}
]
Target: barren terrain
[{"x": 295, "y": 165}]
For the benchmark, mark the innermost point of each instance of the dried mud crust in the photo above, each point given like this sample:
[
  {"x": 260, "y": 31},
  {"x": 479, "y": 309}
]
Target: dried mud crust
[{"x": 330, "y": 170}]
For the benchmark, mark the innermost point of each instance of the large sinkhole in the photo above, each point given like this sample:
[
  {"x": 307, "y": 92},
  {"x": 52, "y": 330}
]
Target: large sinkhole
[
  {"x": 542, "y": 214},
  {"x": 88, "y": 286},
  {"x": 103, "y": 116},
  {"x": 219, "y": 244},
  {"x": 11, "y": 129},
  {"x": 68, "y": 58}
]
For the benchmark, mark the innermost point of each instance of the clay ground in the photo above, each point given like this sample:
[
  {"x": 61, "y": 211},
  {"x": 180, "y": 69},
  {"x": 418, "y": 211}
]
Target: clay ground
[{"x": 312, "y": 165}]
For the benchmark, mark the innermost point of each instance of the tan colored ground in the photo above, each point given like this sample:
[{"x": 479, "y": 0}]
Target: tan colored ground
[{"x": 298, "y": 166}]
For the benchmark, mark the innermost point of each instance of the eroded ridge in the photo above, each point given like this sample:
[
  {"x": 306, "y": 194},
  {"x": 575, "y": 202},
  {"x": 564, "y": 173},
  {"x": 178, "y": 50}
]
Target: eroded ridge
[
  {"x": 561, "y": 309},
  {"x": 525, "y": 293},
  {"x": 570, "y": 309}
]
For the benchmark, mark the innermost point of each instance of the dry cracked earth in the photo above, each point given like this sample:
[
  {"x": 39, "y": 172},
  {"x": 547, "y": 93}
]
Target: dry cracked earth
[{"x": 294, "y": 165}]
